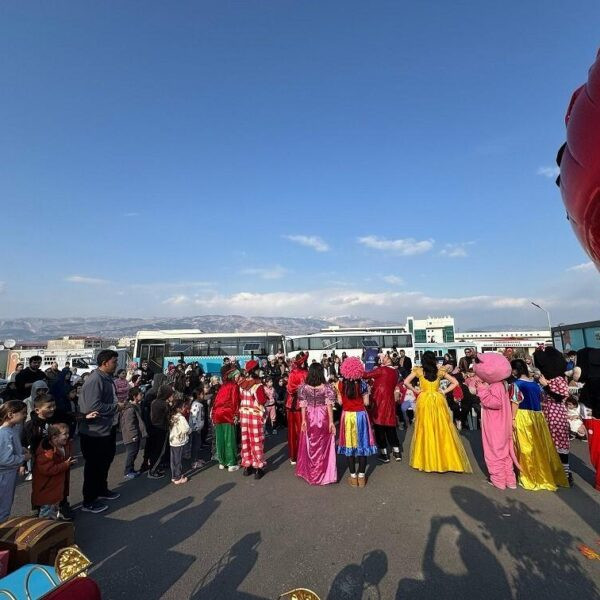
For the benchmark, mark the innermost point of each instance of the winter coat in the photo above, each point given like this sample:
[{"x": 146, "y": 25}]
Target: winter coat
[
  {"x": 133, "y": 427},
  {"x": 50, "y": 475}
]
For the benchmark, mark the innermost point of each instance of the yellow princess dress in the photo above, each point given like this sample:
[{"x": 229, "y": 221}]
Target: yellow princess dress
[{"x": 435, "y": 445}]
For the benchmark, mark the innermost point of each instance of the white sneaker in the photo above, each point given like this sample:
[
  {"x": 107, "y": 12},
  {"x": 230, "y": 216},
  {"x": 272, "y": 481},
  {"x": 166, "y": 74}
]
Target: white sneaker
[
  {"x": 29, "y": 476},
  {"x": 221, "y": 467},
  {"x": 292, "y": 462},
  {"x": 233, "y": 468}
]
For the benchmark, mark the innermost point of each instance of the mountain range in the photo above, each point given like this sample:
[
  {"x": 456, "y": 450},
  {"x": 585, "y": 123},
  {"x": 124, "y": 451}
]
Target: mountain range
[{"x": 41, "y": 329}]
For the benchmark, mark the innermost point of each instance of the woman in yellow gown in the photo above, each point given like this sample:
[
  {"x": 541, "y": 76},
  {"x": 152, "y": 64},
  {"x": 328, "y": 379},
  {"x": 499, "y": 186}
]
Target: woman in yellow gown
[{"x": 435, "y": 445}]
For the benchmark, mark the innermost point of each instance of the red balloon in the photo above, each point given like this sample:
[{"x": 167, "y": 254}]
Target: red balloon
[{"x": 579, "y": 161}]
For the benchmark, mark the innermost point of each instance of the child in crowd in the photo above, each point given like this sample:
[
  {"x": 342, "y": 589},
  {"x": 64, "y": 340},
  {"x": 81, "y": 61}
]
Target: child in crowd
[
  {"x": 41, "y": 416},
  {"x": 133, "y": 430},
  {"x": 122, "y": 386},
  {"x": 38, "y": 388},
  {"x": 270, "y": 406},
  {"x": 196, "y": 422},
  {"x": 178, "y": 437},
  {"x": 576, "y": 425},
  {"x": 356, "y": 440},
  {"x": 53, "y": 459},
  {"x": 12, "y": 455},
  {"x": 406, "y": 402}
]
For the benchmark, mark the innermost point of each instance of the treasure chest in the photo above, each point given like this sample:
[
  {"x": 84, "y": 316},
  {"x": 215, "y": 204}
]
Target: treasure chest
[{"x": 31, "y": 540}]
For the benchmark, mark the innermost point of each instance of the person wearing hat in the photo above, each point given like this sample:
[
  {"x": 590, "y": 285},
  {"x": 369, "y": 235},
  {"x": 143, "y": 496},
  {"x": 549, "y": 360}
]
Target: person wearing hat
[
  {"x": 252, "y": 401},
  {"x": 294, "y": 414},
  {"x": 225, "y": 409}
]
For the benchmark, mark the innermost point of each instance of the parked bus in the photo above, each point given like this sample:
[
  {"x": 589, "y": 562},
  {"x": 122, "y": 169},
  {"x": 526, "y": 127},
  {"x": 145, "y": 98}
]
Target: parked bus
[
  {"x": 208, "y": 349},
  {"x": 352, "y": 342}
]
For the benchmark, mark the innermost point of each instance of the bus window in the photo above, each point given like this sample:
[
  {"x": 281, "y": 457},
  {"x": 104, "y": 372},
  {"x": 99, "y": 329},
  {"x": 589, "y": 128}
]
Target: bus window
[
  {"x": 370, "y": 343},
  {"x": 301, "y": 343},
  {"x": 250, "y": 347},
  {"x": 223, "y": 347},
  {"x": 199, "y": 348},
  {"x": 274, "y": 345},
  {"x": 289, "y": 346}
]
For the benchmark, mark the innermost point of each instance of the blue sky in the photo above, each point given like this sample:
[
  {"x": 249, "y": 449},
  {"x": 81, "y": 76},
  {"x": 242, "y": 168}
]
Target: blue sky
[{"x": 291, "y": 158}]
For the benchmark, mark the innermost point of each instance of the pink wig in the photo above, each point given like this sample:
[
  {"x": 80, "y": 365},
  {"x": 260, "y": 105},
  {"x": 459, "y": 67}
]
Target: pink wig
[{"x": 352, "y": 368}]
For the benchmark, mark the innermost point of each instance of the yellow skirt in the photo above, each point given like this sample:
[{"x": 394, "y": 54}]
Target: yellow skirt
[
  {"x": 541, "y": 468},
  {"x": 435, "y": 445}
]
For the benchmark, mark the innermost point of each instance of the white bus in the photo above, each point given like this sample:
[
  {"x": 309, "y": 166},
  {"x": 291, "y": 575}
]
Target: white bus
[
  {"x": 352, "y": 341},
  {"x": 160, "y": 347}
]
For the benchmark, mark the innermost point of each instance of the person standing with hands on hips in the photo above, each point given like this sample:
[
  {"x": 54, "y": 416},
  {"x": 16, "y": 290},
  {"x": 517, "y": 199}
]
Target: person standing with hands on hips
[{"x": 98, "y": 435}]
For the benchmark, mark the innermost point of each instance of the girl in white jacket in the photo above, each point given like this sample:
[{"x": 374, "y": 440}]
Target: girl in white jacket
[{"x": 179, "y": 435}]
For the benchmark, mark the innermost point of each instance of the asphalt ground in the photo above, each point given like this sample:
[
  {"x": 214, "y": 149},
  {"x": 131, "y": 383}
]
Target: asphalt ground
[{"x": 407, "y": 535}]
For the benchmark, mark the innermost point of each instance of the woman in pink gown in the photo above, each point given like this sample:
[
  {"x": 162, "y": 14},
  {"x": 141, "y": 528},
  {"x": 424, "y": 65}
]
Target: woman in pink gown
[{"x": 316, "y": 446}]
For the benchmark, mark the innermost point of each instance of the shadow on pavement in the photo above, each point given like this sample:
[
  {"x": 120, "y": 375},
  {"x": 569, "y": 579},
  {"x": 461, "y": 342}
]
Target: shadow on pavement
[
  {"x": 222, "y": 580},
  {"x": 140, "y": 553},
  {"x": 485, "y": 577},
  {"x": 474, "y": 439},
  {"x": 546, "y": 560},
  {"x": 355, "y": 582}
]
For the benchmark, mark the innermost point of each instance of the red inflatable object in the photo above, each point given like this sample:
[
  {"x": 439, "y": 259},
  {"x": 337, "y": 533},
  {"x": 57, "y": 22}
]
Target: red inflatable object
[
  {"x": 80, "y": 588},
  {"x": 579, "y": 161}
]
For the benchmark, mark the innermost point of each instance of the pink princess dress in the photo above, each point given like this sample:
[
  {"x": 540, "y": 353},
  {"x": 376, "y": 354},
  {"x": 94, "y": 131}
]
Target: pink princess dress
[{"x": 316, "y": 446}]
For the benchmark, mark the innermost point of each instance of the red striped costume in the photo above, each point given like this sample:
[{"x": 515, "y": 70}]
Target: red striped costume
[{"x": 252, "y": 401}]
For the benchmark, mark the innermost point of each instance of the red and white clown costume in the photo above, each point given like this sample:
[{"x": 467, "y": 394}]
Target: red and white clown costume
[
  {"x": 294, "y": 414},
  {"x": 252, "y": 401}
]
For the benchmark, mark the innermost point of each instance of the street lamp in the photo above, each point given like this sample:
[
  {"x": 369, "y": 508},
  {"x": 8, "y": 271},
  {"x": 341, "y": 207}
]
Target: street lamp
[{"x": 547, "y": 314}]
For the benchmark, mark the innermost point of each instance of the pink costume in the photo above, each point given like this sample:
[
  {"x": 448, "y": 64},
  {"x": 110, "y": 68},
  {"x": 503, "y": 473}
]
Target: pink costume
[
  {"x": 496, "y": 418},
  {"x": 316, "y": 445},
  {"x": 270, "y": 408}
]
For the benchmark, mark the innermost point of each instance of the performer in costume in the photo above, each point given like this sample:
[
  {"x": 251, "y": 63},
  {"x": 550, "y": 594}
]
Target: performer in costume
[
  {"x": 539, "y": 465},
  {"x": 553, "y": 365},
  {"x": 435, "y": 445},
  {"x": 492, "y": 369},
  {"x": 224, "y": 412},
  {"x": 252, "y": 401},
  {"x": 384, "y": 381},
  {"x": 316, "y": 447},
  {"x": 588, "y": 359},
  {"x": 294, "y": 416},
  {"x": 356, "y": 440}
]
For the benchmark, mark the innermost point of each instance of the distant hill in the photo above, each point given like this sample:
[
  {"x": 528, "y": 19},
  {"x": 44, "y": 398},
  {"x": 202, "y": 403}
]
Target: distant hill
[{"x": 34, "y": 329}]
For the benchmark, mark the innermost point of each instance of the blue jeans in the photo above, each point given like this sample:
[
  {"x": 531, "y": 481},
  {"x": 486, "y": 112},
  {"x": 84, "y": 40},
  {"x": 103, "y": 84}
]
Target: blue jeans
[{"x": 8, "y": 483}]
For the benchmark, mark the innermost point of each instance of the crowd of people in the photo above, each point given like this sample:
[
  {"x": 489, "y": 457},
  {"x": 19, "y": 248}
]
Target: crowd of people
[{"x": 343, "y": 405}]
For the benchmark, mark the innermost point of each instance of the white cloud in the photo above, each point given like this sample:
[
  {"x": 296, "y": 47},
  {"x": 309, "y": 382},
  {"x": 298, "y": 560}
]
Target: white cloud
[
  {"x": 393, "y": 279},
  {"x": 387, "y": 304},
  {"x": 311, "y": 241},
  {"x": 161, "y": 286},
  {"x": 177, "y": 300},
  {"x": 550, "y": 172},
  {"x": 276, "y": 272},
  {"x": 86, "y": 280},
  {"x": 587, "y": 266},
  {"x": 406, "y": 247},
  {"x": 458, "y": 250}
]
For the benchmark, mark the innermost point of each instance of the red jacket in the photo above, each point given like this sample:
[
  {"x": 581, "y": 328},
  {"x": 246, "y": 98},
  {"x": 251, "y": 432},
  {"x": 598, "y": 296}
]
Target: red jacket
[
  {"x": 297, "y": 378},
  {"x": 226, "y": 404},
  {"x": 50, "y": 475},
  {"x": 382, "y": 395}
]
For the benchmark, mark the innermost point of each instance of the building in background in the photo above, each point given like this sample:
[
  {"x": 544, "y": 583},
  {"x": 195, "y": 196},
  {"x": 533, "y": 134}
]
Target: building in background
[
  {"x": 492, "y": 341},
  {"x": 577, "y": 336},
  {"x": 432, "y": 330}
]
